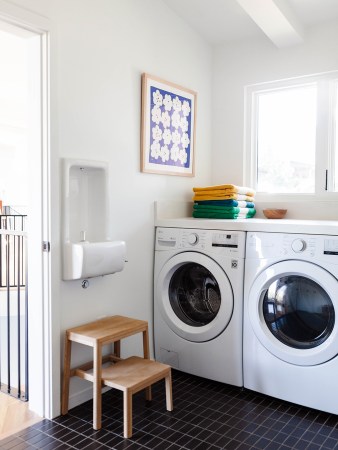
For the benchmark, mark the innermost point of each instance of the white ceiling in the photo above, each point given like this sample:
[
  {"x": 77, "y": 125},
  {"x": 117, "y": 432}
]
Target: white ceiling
[{"x": 224, "y": 21}]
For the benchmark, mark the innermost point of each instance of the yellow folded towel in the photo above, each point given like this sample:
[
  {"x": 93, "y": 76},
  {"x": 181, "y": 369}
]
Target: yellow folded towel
[
  {"x": 227, "y": 187},
  {"x": 216, "y": 192},
  {"x": 221, "y": 192},
  {"x": 199, "y": 197}
]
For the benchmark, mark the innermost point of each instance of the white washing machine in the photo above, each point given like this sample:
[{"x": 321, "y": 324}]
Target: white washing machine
[
  {"x": 198, "y": 302},
  {"x": 290, "y": 342}
]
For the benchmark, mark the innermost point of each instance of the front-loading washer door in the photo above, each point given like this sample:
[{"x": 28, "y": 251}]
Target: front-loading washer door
[
  {"x": 194, "y": 296},
  {"x": 293, "y": 309}
]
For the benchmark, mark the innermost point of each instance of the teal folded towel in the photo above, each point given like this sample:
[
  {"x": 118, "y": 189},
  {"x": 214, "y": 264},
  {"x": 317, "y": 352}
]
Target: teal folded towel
[{"x": 226, "y": 203}]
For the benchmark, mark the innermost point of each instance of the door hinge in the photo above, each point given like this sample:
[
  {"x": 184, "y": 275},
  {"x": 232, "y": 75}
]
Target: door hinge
[{"x": 46, "y": 246}]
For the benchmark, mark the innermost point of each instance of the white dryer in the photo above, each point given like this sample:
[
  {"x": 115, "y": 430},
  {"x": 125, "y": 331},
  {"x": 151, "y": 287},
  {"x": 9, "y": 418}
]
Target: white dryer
[
  {"x": 198, "y": 302},
  {"x": 290, "y": 342}
]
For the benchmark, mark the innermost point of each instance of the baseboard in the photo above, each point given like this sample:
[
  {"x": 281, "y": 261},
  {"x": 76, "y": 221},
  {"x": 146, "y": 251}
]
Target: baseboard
[{"x": 83, "y": 396}]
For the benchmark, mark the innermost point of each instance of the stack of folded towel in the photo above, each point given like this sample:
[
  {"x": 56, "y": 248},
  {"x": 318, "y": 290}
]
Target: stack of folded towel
[{"x": 225, "y": 201}]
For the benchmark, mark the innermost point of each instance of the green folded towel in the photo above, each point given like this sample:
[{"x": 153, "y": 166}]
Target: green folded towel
[
  {"x": 223, "y": 215},
  {"x": 224, "y": 209}
]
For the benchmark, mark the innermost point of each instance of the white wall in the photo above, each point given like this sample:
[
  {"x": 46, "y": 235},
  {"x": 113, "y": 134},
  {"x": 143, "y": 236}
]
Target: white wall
[
  {"x": 256, "y": 61},
  {"x": 13, "y": 121},
  {"x": 98, "y": 51}
]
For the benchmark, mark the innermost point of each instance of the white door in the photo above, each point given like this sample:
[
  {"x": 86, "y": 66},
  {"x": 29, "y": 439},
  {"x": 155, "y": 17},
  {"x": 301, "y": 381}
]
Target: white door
[
  {"x": 293, "y": 308},
  {"x": 33, "y": 30}
]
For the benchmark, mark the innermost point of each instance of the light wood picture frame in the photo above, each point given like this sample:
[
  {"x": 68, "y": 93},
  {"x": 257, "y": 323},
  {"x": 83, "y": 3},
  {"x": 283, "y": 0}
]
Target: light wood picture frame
[{"x": 167, "y": 128}]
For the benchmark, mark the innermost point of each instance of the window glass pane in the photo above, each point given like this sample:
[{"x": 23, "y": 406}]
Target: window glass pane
[
  {"x": 286, "y": 140},
  {"x": 335, "y": 137}
]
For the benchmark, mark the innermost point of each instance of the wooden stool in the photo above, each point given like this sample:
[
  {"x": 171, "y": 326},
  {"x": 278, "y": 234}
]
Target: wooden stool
[
  {"x": 131, "y": 375},
  {"x": 96, "y": 335}
]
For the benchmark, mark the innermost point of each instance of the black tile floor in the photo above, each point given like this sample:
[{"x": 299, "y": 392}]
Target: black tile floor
[{"x": 207, "y": 415}]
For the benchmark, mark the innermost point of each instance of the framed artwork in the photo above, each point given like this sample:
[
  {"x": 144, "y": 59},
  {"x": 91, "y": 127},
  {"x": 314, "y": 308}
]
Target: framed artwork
[{"x": 168, "y": 128}]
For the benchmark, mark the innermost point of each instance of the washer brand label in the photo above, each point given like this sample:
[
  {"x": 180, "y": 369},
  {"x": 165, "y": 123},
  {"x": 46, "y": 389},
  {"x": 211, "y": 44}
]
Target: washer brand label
[{"x": 234, "y": 263}]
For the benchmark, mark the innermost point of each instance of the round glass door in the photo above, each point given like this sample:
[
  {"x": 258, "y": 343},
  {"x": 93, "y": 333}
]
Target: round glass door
[
  {"x": 298, "y": 311},
  {"x": 194, "y": 296},
  {"x": 292, "y": 307}
]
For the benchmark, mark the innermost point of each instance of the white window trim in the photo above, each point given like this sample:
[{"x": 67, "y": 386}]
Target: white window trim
[{"x": 324, "y": 157}]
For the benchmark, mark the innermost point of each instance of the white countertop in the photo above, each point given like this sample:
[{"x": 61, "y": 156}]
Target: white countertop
[{"x": 327, "y": 227}]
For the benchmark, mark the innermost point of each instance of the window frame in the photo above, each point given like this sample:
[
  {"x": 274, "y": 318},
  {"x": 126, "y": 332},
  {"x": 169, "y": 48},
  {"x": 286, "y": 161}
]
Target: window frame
[{"x": 326, "y": 139}]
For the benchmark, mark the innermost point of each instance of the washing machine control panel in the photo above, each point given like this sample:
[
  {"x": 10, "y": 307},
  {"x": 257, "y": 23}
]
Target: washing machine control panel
[
  {"x": 304, "y": 245},
  {"x": 218, "y": 242},
  {"x": 166, "y": 238},
  {"x": 298, "y": 245},
  {"x": 225, "y": 240},
  {"x": 271, "y": 245},
  {"x": 193, "y": 238},
  {"x": 175, "y": 238},
  {"x": 262, "y": 245},
  {"x": 331, "y": 246}
]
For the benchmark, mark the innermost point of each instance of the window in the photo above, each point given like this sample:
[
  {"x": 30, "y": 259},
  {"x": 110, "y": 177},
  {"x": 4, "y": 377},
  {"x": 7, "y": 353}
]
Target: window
[
  {"x": 291, "y": 145},
  {"x": 334, "y": 120}
]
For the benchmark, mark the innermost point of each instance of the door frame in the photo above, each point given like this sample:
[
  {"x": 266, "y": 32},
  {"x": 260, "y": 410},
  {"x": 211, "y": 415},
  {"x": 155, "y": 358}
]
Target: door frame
[{"x": 43, "y": 316}]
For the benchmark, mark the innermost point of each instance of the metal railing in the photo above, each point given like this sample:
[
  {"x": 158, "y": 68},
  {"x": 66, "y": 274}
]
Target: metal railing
[
  {"x": 13, "y": 313},
  {"x": 12, "y": 221}
]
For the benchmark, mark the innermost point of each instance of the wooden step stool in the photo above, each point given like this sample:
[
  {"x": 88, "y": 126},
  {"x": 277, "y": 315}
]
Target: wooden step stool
[
  {"x": 128, "y": 375},
  {"x": 131, "y": 375}
]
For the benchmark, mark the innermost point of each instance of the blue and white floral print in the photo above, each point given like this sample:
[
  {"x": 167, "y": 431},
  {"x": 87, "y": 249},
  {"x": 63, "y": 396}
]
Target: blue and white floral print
[
  {"x": 170, "y": 124},
  {"x": 156, "y": 115}
]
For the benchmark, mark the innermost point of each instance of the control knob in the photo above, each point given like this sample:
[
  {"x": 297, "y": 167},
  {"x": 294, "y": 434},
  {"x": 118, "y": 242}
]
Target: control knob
[
  {"x": 193, "y": 239},
  {"x": 298, "y": 245}
]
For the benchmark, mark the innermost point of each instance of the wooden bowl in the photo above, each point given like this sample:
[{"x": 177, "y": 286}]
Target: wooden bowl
[{"x": 274, "y": 213}]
